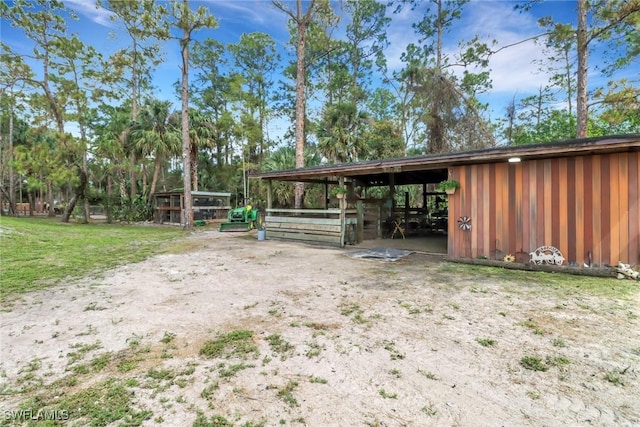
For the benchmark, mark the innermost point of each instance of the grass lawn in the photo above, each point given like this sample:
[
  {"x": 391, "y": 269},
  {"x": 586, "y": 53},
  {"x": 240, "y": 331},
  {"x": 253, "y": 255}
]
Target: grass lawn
[{"x": 36, "y": 252}]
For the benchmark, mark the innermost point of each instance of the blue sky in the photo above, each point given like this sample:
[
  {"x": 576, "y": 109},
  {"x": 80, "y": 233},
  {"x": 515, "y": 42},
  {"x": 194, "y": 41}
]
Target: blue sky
[{"x": 513, "y": 70}]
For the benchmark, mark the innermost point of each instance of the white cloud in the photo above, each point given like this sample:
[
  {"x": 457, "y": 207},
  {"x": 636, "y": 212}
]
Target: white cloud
[{"x": 89, "y": 9}]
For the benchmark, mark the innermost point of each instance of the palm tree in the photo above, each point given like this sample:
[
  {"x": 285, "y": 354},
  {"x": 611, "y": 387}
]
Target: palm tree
[
  {"x": 156, "y": 133},
  {"x": 201, "y": 134}
]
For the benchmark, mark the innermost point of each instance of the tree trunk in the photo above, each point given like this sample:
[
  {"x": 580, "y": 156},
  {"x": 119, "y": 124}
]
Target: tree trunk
[
  {"x": 583, "y": 54},
  {"x": 186, "y": 142},
  {"x": 12, "y": 182},
  {"x": 300, "y": 101}
]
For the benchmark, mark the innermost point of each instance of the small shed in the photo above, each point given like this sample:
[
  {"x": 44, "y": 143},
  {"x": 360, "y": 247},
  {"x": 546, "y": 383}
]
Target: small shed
[{"x": 169, "y": 206}]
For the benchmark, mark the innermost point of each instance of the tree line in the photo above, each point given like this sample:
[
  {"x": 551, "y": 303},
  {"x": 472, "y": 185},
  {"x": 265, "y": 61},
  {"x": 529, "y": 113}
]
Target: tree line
[{"x": 341, "y": 100}]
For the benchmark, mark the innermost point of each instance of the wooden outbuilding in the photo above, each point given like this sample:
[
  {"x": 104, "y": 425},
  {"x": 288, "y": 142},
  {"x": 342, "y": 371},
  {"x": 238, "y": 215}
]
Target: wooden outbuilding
[
  {"x": 169, "y": 206},
  {"x": 579, "y": 197}
]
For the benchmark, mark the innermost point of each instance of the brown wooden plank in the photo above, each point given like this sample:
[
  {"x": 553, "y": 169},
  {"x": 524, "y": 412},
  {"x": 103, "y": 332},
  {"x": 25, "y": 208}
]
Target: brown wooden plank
[
  {"x": 597, "y": 208},
  {"x": 588, "y": 208},
  {"x": 301, "y": 220},
  {"x": 517, "y": 213},
  {"x": 510, "y": 237},
  {"x": 470, "y": 236},
  {"x": 304, "y": 237},
  {"x": 484, "y": 212},
  {"x": 466, "y": 211},
  {"x": 555, "y": 204},
  {"x": 526, "y": 226},
  {"x": 532, "y": 211},
  {"x": 634, "y": 208},
  {"x": 605, "y": 216},
  {"x": 547, "y": 225},
  {"x": 302, "y": 227},
  {"x": 500, "y": 212},
  {"x": 578, "y": 228},
  {"x": 492, "y": 203},
  {"x": 614, "y": 214},
  {"x": 623, "y": 183},
  {"x": 571, "y": 221}
]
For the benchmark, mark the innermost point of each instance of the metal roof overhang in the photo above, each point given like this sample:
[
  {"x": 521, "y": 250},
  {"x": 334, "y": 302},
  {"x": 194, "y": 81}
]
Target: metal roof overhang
[{"x": 433, "y": 168}]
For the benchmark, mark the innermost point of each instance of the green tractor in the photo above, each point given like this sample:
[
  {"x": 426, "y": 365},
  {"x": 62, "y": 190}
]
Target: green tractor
[{"x": 244, "y": 218}]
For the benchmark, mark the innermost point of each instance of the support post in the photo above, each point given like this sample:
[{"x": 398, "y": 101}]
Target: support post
[
  {"x": 360, "y": 223},
  {"x": 343, "y": 206},
  {"x": 269, "y": 190}
]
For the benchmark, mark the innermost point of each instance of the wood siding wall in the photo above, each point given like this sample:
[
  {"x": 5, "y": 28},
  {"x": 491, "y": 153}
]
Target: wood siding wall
[{"x": 580, "y": 205}]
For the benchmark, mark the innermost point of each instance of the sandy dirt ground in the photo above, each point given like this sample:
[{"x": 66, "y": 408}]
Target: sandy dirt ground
[{"x": 305, "y": 335}]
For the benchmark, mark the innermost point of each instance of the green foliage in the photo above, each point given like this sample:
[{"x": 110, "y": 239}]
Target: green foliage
[
  {"x": 533, "y": 363},
  {"x": 450, "y": 184},
  {"x": 233, "y": 344}
]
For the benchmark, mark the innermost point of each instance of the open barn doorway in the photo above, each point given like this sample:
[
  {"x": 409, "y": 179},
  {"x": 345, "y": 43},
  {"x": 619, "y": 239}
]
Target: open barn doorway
[{"x": 406, "y": 210}]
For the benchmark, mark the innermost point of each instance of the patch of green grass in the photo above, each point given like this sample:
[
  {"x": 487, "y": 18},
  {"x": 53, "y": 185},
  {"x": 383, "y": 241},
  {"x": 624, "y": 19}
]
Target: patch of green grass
[
  {"x": 231, "y": 370},
  {"x": 209, "y": 391},
  {"x": 81, "y": 350},
  {"x": 108, "y": 402},
  {"x": 557, "y": 361},
  {"x": 428, "y": 375},
  {"x": 396, "y": 373},
  {"x": 386, "y": 395},
  {"x": 213, "y": 421},
  {"x": 127, "y": 365},
  {"x": 614, "y": 376},
  {"x": 32, "y": 246},
  {"x": 233, "y": 344},
  {"x": 486, "y": 342},
  {"x": 429, "y": 409},
  {"x": 286, "y": 394},
  {"x": 533, "y": 363},
  {"x": 317, "y": 380},
  {"x": 280, "y": 345},
  {"x": 100, "y": 362},
  {"x": 167, "y": 337},
  {"x": 530, "y": 324},
  {"x": 390, "y": 346},
  {"x": 559, "y": 284},
  {"x": 314, "y": 349},
  {"x": 559, "y": 342}
]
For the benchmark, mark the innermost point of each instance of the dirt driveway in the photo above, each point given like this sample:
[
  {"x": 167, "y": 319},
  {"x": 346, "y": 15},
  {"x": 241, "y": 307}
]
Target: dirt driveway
[{"x": 240, "y": 332}]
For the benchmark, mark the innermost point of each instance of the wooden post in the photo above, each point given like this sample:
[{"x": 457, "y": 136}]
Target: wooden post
[
  {"x": 326, "y": 194},
  {"x": 392, "y": 194},
  {"x": 406, "y": 210},
  {"x": 360, "y": 223},
  {"x": 269, "y": 190},
  {"x": 424, "y": 198},
  {"x": 343, "y": 203}
]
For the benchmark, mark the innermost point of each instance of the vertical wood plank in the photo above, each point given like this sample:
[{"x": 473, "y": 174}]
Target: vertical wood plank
[
  {"x": 493, "y": 197},
  {"x": 533, "y": 206},
  {"x": 526, "y": 225},
  {"x": 578, "y": 200},
  {"x": 634, "y": 208},
  {"x": 547, "y": 225},
  {"x": 596, "y": 208},
  {"x": 499, "y": 212},
  {"x": 466, "y": 234},
  {"x": 571, "y": 218},
  {"x": 475, "y": 219},
  {"x": 614, "y": 214},
  {"x": 563, "y": 216},
  {"x": 510, "y": 209},
  {"x": 486, "y": 218},
  {"x": 516, "y": 215},
  {"x": 555, "y": 204},
  {"x": 605, "y": 210},
  {"x": 542, "y": 207},
  {"x": 623, "y": 196}
]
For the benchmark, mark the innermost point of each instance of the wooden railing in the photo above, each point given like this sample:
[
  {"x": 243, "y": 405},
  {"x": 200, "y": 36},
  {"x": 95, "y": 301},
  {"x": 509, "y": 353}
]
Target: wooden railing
[{"x": 327, "y": 226}]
